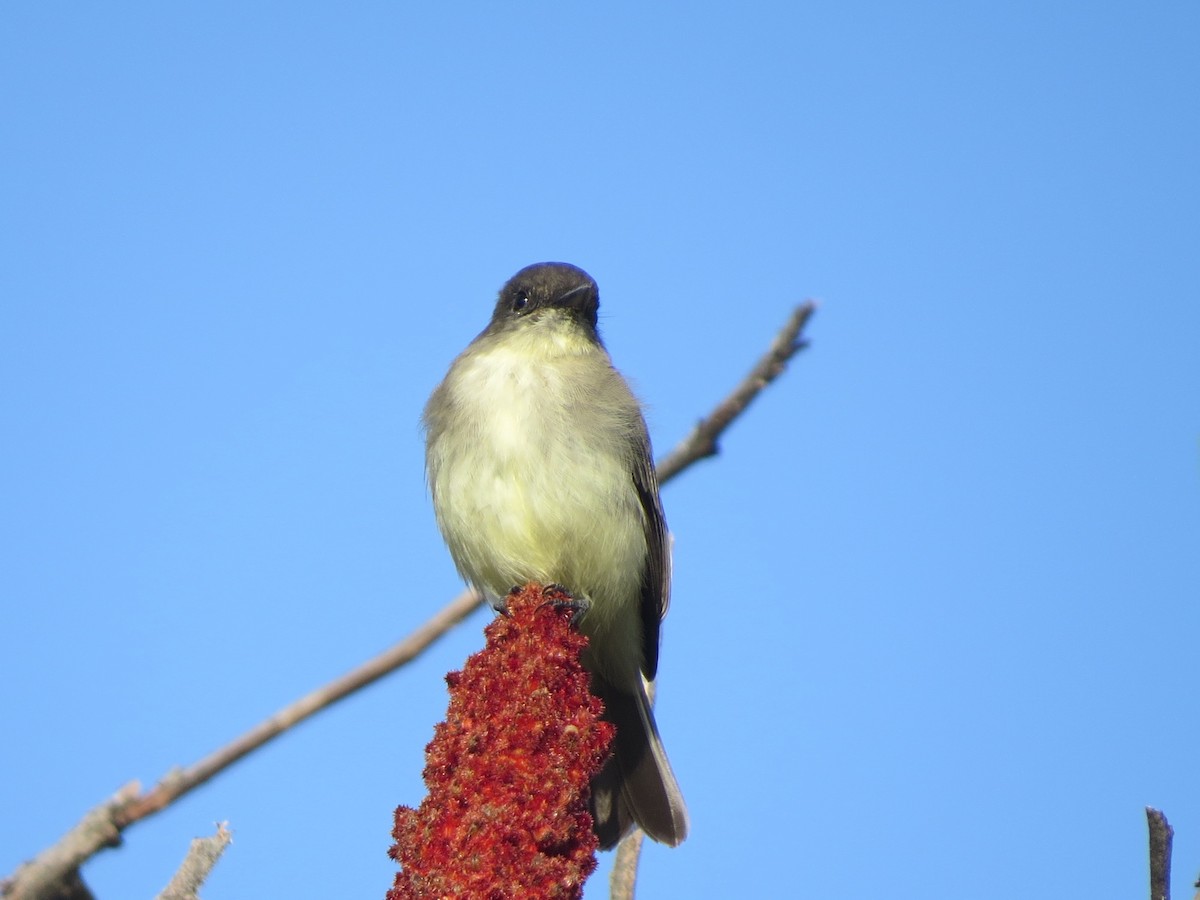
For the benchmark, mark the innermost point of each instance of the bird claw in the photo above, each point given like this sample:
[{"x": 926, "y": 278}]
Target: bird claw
[
  {"x": 560, "y": 598},
  {"x": 500, "y": 604}
]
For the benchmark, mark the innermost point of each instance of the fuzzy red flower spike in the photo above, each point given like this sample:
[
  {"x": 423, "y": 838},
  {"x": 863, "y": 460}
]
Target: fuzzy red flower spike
[{"x": 508, "y": 772}]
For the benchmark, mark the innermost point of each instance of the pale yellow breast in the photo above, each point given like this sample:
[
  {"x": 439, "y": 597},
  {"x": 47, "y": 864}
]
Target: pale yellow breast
[{"x": 532, "y": 476}]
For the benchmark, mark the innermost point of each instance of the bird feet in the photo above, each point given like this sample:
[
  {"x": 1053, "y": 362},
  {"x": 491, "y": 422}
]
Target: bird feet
[{"x": 559, "y": 597}]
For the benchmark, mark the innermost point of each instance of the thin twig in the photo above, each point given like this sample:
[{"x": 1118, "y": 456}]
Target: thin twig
[
  {"x": 179, "y": 782},
  {"x": 1161, "y": 834},
  {"x": 60, "y": 862},
  {"x": 200, "y": 859},
  {"x": 702, "y": 442},
  {"x": 623, "y": 877},
  {"x": 102, "y": 826}
]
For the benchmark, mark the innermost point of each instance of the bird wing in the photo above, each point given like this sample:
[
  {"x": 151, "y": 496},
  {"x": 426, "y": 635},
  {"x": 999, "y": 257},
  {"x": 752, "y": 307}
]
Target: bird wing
[{"x": 656, "y": 574}]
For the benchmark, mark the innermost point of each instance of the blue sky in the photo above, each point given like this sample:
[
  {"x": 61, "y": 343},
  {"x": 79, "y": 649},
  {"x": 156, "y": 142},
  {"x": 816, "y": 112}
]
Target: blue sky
[{"x": 935, "y": 612}]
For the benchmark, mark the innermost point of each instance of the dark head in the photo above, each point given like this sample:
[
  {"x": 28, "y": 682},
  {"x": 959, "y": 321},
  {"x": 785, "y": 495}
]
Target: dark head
[{"x": 548, "y": 286}]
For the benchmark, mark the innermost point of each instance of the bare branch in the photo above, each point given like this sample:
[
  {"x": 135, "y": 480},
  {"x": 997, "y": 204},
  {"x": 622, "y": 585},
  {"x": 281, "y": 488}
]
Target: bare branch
[
  {"x": 200, "y": 859},
  {"x": 50, "y": 874},
  {"x": 54, "y": 873},
  {"x": 179, "y": 782},
  {"x": 58, "y": 866},
  {"x": 623, "y": 877},
  {"x": 702, "y": 442},
  {"x": 1161, "y": 834}
]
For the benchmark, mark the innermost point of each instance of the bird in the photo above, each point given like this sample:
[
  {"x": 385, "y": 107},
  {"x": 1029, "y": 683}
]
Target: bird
[{"x": 540, "y": 468}]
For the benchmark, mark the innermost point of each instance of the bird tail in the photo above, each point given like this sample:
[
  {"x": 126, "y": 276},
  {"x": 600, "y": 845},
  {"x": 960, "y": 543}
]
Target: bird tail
[{"x": 636, "y": 785}]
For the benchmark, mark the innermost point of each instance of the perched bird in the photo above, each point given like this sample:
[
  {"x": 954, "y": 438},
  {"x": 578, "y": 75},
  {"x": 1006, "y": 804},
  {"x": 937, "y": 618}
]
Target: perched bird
[{"x": 539, "y": 464}]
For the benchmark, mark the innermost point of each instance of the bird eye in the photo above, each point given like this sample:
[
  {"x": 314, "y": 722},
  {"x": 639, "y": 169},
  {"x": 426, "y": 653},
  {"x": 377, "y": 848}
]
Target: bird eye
[{"x": 520, "y": 301}]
